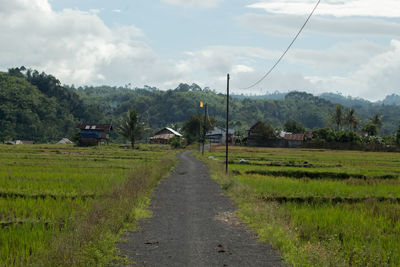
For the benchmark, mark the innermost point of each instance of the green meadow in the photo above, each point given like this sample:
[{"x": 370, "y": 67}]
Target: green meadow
[
  {"x": 64, "y": 205},
  {"x": 318, "y": 207}
]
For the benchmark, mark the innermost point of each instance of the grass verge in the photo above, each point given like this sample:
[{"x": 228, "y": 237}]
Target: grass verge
[{"x": 90, "y": 237}]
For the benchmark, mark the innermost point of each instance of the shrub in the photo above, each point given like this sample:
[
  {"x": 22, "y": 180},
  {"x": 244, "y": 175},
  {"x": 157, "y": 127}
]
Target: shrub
[{"x": 175, "y": 142}]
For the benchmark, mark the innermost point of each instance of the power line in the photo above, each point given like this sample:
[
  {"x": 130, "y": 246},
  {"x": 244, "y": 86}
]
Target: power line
[{"x": 287, "y": 49}]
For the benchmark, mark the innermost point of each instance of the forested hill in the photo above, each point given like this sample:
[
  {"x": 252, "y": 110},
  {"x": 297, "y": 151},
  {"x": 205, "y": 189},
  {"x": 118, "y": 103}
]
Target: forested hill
[
  {"x": 160, "y": 108},
  {"x": 35, "y": 106}
]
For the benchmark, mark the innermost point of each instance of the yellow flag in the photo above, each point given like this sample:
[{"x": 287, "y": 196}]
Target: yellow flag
[{"x": 201, "y": 104}]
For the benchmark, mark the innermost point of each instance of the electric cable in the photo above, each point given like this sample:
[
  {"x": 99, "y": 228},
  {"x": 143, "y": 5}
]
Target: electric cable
[{"x": 287, "y": 49}]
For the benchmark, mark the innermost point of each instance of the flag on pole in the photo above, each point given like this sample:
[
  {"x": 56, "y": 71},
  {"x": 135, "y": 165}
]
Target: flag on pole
[{"x": 201, "y": 104}]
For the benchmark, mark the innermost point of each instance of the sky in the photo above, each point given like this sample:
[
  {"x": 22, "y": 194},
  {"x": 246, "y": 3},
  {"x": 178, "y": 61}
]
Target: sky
[{"x": 350, "y": 47}]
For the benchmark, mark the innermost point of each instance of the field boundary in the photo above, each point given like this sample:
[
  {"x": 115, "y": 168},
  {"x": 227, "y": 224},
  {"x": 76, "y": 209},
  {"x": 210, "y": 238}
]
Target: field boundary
[
  {"x": 333, "y": 200},
  {"x": 52, "y": 196},
  {"x": 19, "y": 222},
  {"x": 316, "y": 175}
]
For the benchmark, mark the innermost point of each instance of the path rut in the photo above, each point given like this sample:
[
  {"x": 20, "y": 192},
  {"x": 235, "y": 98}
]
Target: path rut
[{"x": 193, "y": 225}]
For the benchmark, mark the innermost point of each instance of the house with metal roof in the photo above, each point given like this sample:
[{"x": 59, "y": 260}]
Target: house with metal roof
[
  {"x": 64, "y": 141},
  {"x": 94, "y": 134},
  {"x": 163, "y": 136},
  {"x": 218, "y": 135}
]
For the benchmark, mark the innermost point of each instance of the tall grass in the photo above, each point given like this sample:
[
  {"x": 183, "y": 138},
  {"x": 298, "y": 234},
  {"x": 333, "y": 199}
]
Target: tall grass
[
  {"x": 361, "y": 232},
  {"x": 62, "y": 205}
]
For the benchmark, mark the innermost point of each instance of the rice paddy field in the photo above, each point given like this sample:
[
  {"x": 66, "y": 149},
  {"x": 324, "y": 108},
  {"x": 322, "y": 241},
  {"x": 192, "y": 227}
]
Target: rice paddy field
[
  {"x": 49, "y": 191},
  {"x": 318, "y": 207}
]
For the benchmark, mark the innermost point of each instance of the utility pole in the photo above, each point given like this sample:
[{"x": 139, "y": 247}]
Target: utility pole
[
  {"x": 204, "y": 128},
  {"x": 227, "y": 121}
]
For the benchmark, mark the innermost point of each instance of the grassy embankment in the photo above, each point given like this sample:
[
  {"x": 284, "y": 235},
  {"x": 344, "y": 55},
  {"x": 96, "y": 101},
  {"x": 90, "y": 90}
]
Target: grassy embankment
[
  {"x": 67, "y": 206},
  {"x": 318, "y": 207}
]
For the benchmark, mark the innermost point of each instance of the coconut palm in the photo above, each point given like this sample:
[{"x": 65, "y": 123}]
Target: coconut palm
[
  {"x": 131, "y": 128},
  {"x": 377, "y": 120},
  {"x": 351, "y": 119},
  {"x": 337, "y": 117}
]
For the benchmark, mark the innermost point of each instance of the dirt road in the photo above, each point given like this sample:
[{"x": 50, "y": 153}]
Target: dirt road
[{"x": 193, "y": 225}]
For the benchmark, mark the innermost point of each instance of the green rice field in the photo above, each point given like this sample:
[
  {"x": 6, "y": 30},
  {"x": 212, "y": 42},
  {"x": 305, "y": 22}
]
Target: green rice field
[
  {"x": 48, "y": 191},
  {"x": 318, "y": 207}
]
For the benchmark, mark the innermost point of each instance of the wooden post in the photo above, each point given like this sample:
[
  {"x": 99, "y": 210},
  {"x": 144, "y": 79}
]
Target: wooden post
[
  {"x": 227, "y": 122},
  {"x": 204, "y": 128}
]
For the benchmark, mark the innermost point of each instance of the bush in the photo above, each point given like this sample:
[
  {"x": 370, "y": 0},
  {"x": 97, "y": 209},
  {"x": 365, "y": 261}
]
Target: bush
[
  {"x": 371, "y": 129},
  {"x": 175, "y": 142}
]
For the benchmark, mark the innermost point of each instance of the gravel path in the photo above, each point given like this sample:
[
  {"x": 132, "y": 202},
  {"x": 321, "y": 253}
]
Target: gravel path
[{"x": 193, "y": 225}]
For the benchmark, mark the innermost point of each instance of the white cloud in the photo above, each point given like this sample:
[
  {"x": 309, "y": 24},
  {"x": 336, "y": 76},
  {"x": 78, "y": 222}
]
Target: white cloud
[
  {"x": 338, "y": 8},
  {"x": 222, "y": 59},
  {"x": 211, "y": 63},
  {"x": 341, "y": 56},
  {"x": 242, "y": 68},
  {"x": 364, "y": 69},
  {"x": 374, "y": 79},
  {"x": 193, "y": 3},
  {"x": 75, "y": 46},
  {"x": 285, "y": 25},
  {"x": 116, "y": 10}
]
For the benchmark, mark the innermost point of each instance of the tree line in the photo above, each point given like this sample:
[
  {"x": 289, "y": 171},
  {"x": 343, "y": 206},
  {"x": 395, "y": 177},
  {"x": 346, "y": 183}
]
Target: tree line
[{"x": 36, "y": 106}]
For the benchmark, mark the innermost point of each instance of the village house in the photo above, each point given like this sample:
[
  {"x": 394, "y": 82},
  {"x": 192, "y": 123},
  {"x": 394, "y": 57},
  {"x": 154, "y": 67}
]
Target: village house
[
  {"x": 218, "y": 135},
  {"x": 282, "y": 140},
  {"x": 293, "y": 140},
  {"x": 163, "y": 136},
  {"x": 254, "y": 137},
  {"x": 94, "y": 134}
]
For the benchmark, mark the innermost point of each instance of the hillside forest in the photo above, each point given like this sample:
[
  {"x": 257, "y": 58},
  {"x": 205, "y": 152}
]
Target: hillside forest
[{"x": 36, "y": 106}]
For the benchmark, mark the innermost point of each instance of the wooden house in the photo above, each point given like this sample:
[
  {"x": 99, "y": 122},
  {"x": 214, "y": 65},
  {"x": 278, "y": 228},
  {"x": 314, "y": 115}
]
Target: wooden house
[
  {"x": 255, "y": 137},
  {"x": 163, "y": 136},
  {"x": 94, "y": 134},
  {"x": 294, "y": 140},
  {"x": 282, "y": 140}
]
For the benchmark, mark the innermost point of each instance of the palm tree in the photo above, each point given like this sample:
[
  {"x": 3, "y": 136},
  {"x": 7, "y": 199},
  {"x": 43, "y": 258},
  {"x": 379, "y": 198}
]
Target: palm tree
[
  {"x": 351, "y": 119},
  {"x": 398, "y": 136},
  {"x": 377, "y": 120},
  {"x": 130, "y": 128},
  {"x": 337, "y": 117}
]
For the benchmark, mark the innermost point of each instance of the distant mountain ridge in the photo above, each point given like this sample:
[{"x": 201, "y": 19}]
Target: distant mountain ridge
[
  {"x": 336, "y": 98},
  {"x": 392, "y": 100}
]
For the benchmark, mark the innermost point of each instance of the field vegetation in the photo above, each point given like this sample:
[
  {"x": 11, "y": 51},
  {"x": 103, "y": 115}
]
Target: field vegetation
[
  {"x": 318, "y": 207},
  {"x": 67, "y": 206}
]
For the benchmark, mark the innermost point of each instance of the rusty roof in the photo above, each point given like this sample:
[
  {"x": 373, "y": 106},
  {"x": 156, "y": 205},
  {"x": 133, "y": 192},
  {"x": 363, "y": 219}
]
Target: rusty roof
[
  {"x": 294, "y": 137},
  {"x": 162, "y": 136}
]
